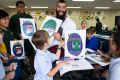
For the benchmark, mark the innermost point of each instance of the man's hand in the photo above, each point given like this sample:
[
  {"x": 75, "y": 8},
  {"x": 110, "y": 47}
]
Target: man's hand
[{"x": 57, "y": 36}]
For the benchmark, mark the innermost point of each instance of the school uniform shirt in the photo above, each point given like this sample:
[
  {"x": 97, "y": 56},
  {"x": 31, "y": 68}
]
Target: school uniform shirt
[
  {"x": 43, "y": 64},
  {"x": 67, "y": 25},
  {"x": 2, "y": 70},
  {"x": 92, "y": 43},
  {"x": 114, "y": 69}
]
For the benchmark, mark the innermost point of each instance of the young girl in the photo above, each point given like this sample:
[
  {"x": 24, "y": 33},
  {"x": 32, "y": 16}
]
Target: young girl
[
  {"x": 9, "y": 68},
  {"x": 4, "y": 26},
  {"x": 114, "y": 68},
  {"x": 43, "y": 58}
]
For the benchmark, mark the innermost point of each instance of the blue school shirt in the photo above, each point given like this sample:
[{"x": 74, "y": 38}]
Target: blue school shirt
[
  {"x": 43, "y": 64},
  {"x": 2, "y": 71},
  {"x": 92, "y": 43}
]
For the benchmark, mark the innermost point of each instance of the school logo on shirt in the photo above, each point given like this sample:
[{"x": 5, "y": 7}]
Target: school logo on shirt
[{"x": 74, "y": 44}]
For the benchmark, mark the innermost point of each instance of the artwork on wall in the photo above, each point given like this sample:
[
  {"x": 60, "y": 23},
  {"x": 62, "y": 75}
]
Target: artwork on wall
[
  {"x": 28, "y": 27},
  {"x": 51, "y": 25},
  {"x": 75, "y": 43},
  {"x": 17, "y": 49}
]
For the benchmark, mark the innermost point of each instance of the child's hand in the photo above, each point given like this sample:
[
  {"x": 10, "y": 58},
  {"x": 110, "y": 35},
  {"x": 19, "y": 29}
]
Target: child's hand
[
  {"x": 63, "y": 63},
  {"x": 10, "y": 75},
  {"x": 100, "y": 53},
  {"x": 106, "y": 57},
  {"x": 11, "y": 57},
  {"x": 12, "y": 66}
]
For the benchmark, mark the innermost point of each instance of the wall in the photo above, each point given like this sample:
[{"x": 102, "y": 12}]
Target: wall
[{"x": 107, "y": 17}]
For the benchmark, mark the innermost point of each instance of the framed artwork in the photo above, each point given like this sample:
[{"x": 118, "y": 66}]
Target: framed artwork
[
  {"x": 51, "y": 25},
  {"x": 75, "y": 43},
  {"x": 27, "y": 27},
  {"x": 17, "y": 49}
]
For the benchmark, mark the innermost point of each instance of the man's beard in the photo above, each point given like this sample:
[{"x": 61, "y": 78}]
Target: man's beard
[{"x": 62, "y": 17}]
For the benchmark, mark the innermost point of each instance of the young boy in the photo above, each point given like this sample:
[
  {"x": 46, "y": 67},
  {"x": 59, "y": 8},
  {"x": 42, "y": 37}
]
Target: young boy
[
  {"x": 10, "y": 68},
  {"x": 43, "y": 58},
  {"x": 91, "y": 41}
]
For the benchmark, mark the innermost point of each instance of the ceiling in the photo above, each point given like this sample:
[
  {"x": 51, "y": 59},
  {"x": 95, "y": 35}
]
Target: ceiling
[{"x": 52, "y": 3}]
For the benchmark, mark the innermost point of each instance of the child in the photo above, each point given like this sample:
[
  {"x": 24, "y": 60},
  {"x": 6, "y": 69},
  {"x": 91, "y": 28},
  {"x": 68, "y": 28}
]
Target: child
[
  {"x": 11, "y": 67},
  {"x": 91, "y": 41},
  {"x": 114, "y": 68},
  {"x": 43, "y": 58},
  {"x": 4, "y": 26}
]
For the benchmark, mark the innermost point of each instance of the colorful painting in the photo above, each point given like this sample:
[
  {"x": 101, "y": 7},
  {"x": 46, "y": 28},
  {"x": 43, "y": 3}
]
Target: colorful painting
[
  {"x": 75, "y": 43},
  {"x": 17, "y": 49},
  {"x": 27, "y": 27},
  {"x": 51, "y": 25}
]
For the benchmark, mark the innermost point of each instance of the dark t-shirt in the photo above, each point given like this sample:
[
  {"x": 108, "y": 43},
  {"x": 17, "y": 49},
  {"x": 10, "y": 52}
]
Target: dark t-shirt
[{"x": 98, "y": 27}]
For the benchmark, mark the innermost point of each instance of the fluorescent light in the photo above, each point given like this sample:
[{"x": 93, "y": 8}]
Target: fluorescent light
[
  {"x": 73, "y": 7},
  {"x": 83, "y": 0},
  {"x": 38, "y": 7},
  {"x": 102, "y": 7},
  {"x": 116, "y": 1},
  {"x": 14, "y": 6}
]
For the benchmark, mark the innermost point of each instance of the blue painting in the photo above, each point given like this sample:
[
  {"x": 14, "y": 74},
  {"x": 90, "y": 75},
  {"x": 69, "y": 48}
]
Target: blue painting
[{"x": 74, "y": 44}]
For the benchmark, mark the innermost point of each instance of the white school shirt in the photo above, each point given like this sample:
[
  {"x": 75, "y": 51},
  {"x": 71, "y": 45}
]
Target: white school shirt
[
  {"x": 43, "y": 64},
  {"x": 2, "y": 70},
  {"x": 114, "y": 69}
]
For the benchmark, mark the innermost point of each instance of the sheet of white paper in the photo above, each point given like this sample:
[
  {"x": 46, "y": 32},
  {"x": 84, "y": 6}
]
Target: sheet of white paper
[
  {"x": 97, "y": 59},
  {"x": 89, "y": 50},
  {"x": 81, "y": 64},
  {"x": 75, "y": 43}
]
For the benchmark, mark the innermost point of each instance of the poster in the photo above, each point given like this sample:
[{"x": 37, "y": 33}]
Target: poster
[
  {"x": 75, "y": 43},
  {"x": 27, "y": 27},
  {"x": 17, "y": 49},
  {"x": 51, "y": 25}
]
